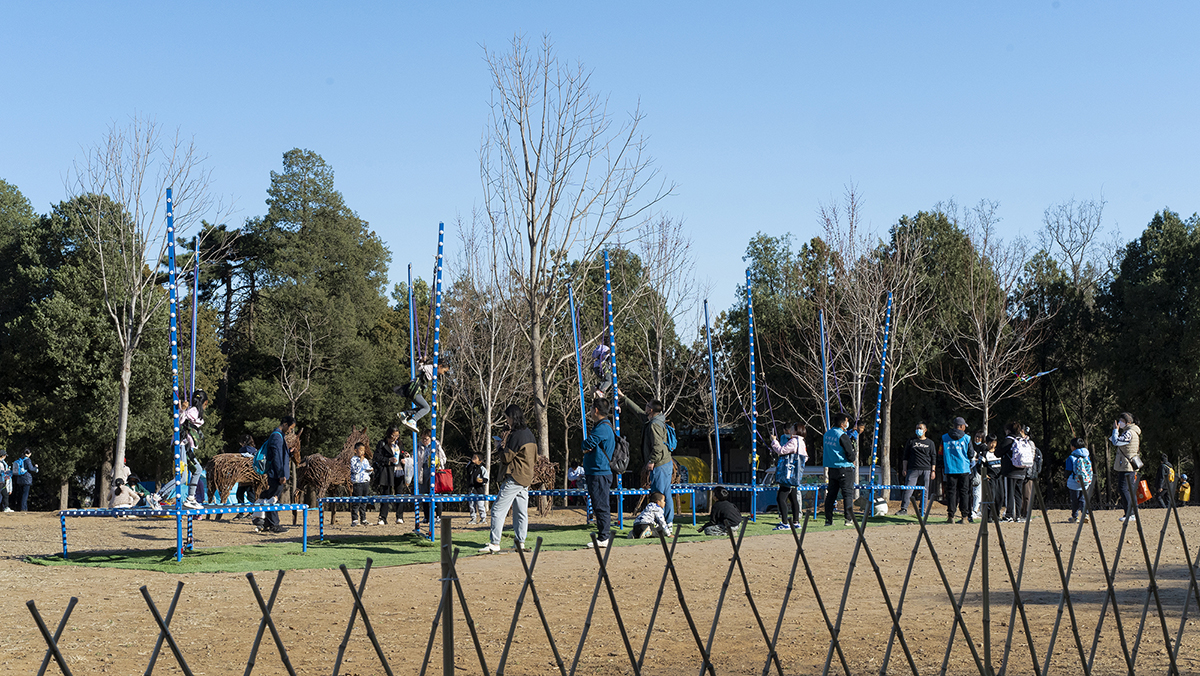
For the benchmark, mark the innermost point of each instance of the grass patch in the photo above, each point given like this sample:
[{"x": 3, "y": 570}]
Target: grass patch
[{"x": 397, "y": 550}]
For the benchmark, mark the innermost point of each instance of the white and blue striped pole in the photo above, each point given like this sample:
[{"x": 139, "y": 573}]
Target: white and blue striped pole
[
  {"x": 612, "y": 355},
  {"x": 195, "y": 306},
  {"x": 412, "y": 358},
  {"x": 177, "y": 443},
  {"x": 437, "y": 336},
  {"x": 753, "y": 401},
  {"x": 712, "y": 382},
  {"x": 887, "y": 332}
]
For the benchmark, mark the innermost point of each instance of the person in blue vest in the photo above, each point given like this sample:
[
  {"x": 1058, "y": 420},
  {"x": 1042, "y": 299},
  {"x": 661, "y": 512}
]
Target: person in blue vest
[
  {"x": 957, "y": 451},
  {"x": 279, "y": 470},
  {"x": 598, "y": 450},
  {"x": 839, "y": 454}
]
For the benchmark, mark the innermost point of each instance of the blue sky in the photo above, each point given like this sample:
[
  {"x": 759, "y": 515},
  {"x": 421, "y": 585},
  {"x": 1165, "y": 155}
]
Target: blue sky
[{"x": 759, "y": 112}]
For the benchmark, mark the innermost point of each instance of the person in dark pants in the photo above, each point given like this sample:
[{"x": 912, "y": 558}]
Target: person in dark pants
[
  {"x": 279, "y": 470},
  {"x": 1127, "y": 437},
  {"x": 5, "y": 477},
  {"x": 839, "y": 454},
  {"x": 957, "y": 451},
  {"x": 23, "y": 471},
  {"x": 388, "y": 458},
  {"x": 360, "y": 477},
  {"x": 917, "y": 468},
  {"x": 598, "y": 450}
]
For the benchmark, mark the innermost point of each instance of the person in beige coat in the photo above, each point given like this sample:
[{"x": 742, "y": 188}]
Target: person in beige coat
[{"x": 1127, "y": 438}]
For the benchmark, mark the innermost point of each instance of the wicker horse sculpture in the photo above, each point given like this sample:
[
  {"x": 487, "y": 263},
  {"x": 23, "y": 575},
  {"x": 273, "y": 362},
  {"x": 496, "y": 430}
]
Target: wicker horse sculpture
[
  {"x": 319, "y": 474},
  {"x": 228, "y": 469}
]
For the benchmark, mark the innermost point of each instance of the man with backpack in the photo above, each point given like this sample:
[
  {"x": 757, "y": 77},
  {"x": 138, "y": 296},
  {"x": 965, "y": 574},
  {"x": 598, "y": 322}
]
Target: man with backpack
[
  {"x": 278, "y": 471},
  {"x": 1018, "y": 458},
  {"x": 1079, "y": 479},
  {"x": 598, "y": 451},
  {"x": 23, "y": 470},
  {"x": 658, "y": 440}
]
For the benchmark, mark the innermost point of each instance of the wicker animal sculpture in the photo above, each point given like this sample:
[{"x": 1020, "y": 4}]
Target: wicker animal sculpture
[
  {"x": 319, "y": 474},
  {"x": 227, "y": 469},
  {"x": 644, "y": 482}
]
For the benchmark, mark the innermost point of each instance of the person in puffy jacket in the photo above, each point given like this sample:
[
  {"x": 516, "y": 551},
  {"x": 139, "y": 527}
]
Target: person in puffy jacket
[
  {"x": 793, "y": 450},
  {"x": 957, "y": 451},
  {"x": 1079, "y": 479},
  {"x": 1127, "y": 437}
]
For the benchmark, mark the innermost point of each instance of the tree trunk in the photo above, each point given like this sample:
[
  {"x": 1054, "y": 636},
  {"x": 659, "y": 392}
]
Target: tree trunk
[
  {"x": 122, "y": 420},
  {"x": 104, "y": 485},
  {"x": 63, "y": 490},
  {"x": 540, "y": 408}
]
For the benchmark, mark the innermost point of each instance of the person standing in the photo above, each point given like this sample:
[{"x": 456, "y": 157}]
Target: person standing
[
  {"x": 839, "y": 454},
  {"x": 656, "y": 450},
  {"x": 1127, "y": 437},
  {"x": 23, "y": 471},
  {"x": 1079, "y": 479},
  {"x": 792, "y": 455},
  {"x": 1017, "y": 454},
  {"x": 5, "y": 481},
  {"x": 279, "y": 470},
  {"x": 360, "y": 476},
  {"x": 425, "y": 447},
  {"x": 477, "y": 479},
  {"x": 598, "y": 450},
  {"x": 956, "y": 466},
  {"x": 918, "y": 468},
  {"x": 388, "y": 458},
  {"x": 518, "y": 457}
]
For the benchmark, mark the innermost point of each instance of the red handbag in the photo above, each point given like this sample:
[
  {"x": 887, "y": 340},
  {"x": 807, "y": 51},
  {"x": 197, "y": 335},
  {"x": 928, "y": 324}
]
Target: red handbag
[{"x": 443, "y": 481}]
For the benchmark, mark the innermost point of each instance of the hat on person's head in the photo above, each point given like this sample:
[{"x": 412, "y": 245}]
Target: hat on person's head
[
  {"x": 959, "y": 421},
  {"x": 3, "y": 452}
]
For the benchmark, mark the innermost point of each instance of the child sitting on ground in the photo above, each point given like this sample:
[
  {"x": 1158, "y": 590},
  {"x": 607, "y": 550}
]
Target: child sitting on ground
[
  {"x": 724, "y": 517},
  {"x": 652, "y": 521}
]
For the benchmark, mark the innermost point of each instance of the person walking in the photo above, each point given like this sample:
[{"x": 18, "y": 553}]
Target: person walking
[
  {"x": 389, "y": 457},
  {"x": 839, "y": 454},
  {"x": 598, "y": 451},
  {"x": 1127, "y": 437},
  {"x": 1079, "y": 479},
  {"x": 792, "y": 456},
  {"x": 656, "y": 449},
  {"x": 956, "y": 466},
  {"x": 360, "y": 476},
  {"x": 23, "y": 471},
  {"x": 279, "y": 470},
  {"x": 518, "y": 457},
  {"x": 5, "y": 481},
  {"x": 918, "y": 468}
]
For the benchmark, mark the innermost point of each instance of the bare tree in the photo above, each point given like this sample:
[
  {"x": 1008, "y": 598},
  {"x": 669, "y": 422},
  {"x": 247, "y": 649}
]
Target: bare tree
[
  {"x": 1071, "y": 236},
  {"x": 133, "y": 166},
  {"x": 559, "y": 181},
  {"x": 987, "y": 333},
  {"x": 298, "y": 347}
]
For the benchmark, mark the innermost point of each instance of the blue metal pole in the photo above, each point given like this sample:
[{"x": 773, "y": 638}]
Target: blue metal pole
[
  {"x": 433, "y": 415},
  {"x": 887, "y": 332},
  {"x": 753, "y": 400},
  {"x": 824, "y": 370},
  {"x": 612, "y": 354},
  {"x": 712, "y": 382},
  {"x": 177, "y": 443}
]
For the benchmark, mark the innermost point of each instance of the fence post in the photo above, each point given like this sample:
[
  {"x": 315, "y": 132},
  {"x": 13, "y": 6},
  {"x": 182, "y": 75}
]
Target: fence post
[{"x": 447, "y": 601}]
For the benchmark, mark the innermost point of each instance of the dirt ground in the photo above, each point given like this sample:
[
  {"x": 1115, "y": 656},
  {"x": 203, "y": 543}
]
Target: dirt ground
[{"x": 111, "y": 630}]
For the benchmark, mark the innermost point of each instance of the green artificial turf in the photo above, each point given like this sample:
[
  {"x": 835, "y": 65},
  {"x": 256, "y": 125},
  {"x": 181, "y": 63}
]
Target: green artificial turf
[{"x": 354, "y": 550}]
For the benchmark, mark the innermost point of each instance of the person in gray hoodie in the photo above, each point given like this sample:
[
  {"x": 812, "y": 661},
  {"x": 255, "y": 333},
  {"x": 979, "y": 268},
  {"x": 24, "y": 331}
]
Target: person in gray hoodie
[{"x": 1079, "y": 478}]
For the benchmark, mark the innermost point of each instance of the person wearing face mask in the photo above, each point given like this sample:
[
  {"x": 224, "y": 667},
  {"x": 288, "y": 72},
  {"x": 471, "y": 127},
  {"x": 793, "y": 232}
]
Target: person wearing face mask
[
  {"x": 917, "y": 467},
  {"x": 1127, "y": 437}
]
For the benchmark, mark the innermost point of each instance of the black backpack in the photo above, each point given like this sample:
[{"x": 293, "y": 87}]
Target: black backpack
[{"x": 619, "y": 462}]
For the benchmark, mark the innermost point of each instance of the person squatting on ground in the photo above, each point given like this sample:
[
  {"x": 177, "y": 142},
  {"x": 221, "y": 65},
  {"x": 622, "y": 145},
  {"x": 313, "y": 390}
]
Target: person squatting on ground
[
  {"x": 792, "y": 456},
  {"x": 23, "y": 470},
  {"x": 425, "y": 444},
  {"x": 956, "y": 466},
  {"x": 652, "y": 522},
  {"x": 388, "y": 458},
  {"x": 917, "y": 467},
  {"x": 193, "y": 420},
  {"x": 279, "y": 470},
  {"x": 520, "y": 451},
  {"x": 1079, "y": 479},
  {"x": 724, "y": 517},
  {"x": 1017, "y": 455},
  {"x": 414, "y": 392},
  {"x": 656, "y": 450},
  {"x": 123, "y": 496},
  {"x": 5, "y": 481},
  {"x": 360, "y": 476},
  {"x": 839, "y": 454},
  {"x": 1127, "y": 437},
  {"x": 598, "y": 451},
  {"x": 477, "y": 480}
]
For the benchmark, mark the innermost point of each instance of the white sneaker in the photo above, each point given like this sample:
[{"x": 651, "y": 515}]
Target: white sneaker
[
  {"x": 353, "y": 524},
  {"x": 399, "y": 521},
  {"x": 489, "y": 548},
  {"x": 1131, "y": 517},
  {"x": 521, "y": 546},
  {"x": 382, "y": 522},
  {"x": 410, "y": 423},
  {"x": 6, "y": 510},
  {"x": 190, "y": 503},
  {"x": 598, "y": 543},
  {"x": 472, "y": 522}
]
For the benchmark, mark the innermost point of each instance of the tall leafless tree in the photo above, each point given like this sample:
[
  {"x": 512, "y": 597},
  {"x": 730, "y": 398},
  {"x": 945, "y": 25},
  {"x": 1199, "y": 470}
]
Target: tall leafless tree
[
  {"x": 133, "y": 166},
  {"x": 560, "y": 181}
]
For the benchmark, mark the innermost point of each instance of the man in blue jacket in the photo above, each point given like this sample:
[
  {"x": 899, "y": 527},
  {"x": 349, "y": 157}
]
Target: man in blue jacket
[
  {"x": 279, "y": 470},
  {"x": 839, "y": 453},
  {"x": 598, "y": 450},
  {"x": 956, "y": 468}
]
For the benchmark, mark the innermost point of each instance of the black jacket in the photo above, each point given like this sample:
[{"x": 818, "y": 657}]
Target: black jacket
[
  {"x": 385, "y": 471},
  {"x": 920, "y": 454},
  {"x": 724, "y": 514},
  {"x": 278, "y": 466}
]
